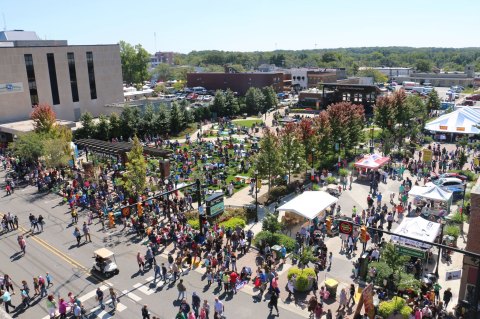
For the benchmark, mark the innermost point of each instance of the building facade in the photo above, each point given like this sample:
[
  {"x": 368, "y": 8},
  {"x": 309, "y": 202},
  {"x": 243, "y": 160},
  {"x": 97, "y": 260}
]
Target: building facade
[
  {"x": 391, "y": 71},
  {"x": 73, "y": 79},
  {"x": 238, "y": 82},
  {"x": 162, "y": 57},
  {"x": 443, "y": 79}
]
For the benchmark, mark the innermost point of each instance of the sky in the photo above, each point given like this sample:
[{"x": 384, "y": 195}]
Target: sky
[{"x": 249, "y": 25}]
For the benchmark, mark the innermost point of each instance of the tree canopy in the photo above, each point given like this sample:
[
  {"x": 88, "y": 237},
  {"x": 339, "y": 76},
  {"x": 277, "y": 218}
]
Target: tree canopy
[{"x": 135, "y": 61}]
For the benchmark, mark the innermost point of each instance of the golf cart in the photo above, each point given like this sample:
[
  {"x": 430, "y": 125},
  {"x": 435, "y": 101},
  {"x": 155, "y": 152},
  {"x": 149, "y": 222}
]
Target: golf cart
[{"x": 105, "y": 263}]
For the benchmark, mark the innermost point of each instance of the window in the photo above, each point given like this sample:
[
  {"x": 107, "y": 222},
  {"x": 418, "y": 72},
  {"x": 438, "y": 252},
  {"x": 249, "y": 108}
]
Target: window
[
  {"x": 53, "y": 78},
  {"x": 73, "y": 76},
  {"x": 91, "y": 76},
  {"x": 32, "y": 83},
  {"x": 357, "y": 97},
  {"x": 346, "y": 97}
]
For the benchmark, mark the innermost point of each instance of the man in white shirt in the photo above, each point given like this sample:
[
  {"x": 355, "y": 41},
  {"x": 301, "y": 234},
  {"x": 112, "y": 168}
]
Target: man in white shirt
[{"x": 219, "y": 307}]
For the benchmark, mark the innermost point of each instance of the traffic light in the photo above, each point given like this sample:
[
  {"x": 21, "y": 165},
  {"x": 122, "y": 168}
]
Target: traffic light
[
  {"x": 139, "y": 209},
  {"x": 328, "y": 225},
  {"x": 363, "y": 234}
]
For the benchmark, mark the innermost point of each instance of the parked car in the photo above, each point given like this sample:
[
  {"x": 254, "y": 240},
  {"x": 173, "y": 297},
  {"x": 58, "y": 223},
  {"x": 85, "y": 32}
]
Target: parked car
[
  {"x": 449, "y": 182},
  {"x": 446, "y": 175},
  {"x": 474, "y": 97}
]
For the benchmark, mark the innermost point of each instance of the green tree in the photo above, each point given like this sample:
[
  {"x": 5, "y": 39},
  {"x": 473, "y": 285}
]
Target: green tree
[
  {"x": 270, "y": 223},
  {"x": 135, "y": 60},
  {"x": 176, "y": 119},
  {"x": 186, "y": 115},
  {"x": 129, "y": 121},
  {"x": 115, "y": 125},
  {"x": 433, "y": 101},
  {"x": 147, "y": 121},
  {"x": 293, "y": 155},
  {"x": 54, "y": 155},
  {"x": 423, "y": 65},
  {"x": 163, "y": 72},
  {"x": 254, "y": 101},
  {"x": 378, "y": 77},
  {"x": 136, "y": 170},
  {"x": 28, "y": 146},
  {"x": 88, "y": 129},
  {"x": 219, "y": 104},
  {"x": 231, "y": 103},
  {"x": 271, "y": 99},
  {"x": 162, "y": 120},
  {"x": 44, "y": 118},
  {"x": 268, "y": 160},
  {"x": 103, "y": 128},
  {"x": 305, "y": 256}
]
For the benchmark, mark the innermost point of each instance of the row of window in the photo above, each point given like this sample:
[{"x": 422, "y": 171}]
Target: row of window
[
  {"x": 358, "y": 97},
  {"x": 32, "y": 84}
]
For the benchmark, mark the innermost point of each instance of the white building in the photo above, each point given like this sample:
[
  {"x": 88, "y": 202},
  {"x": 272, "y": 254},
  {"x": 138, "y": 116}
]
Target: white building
[{"x": 390, "y": 71}]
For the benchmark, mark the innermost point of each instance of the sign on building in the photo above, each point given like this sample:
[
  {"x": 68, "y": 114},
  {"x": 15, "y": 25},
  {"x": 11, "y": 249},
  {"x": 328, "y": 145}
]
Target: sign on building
[
  {"x": 410, "y": 251},
  {"x": 215, "y": 205},
  {"x": 6, "y": 88}
]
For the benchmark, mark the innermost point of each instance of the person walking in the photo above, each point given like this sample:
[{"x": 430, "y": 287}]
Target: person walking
[
  {"x": 140, "y": 262},
  {"x": 205, "y": 311},
  {"x": 49, "y": 280},
  {"x": 40, "y": 222},
  {"x": 77, "y": 235},
  {"x": 157, "y": 272},
  {"x": 145, "y": 312},
  {"x": 99, "y": 297},
  {"x": 113, "y": 299},
  {"x": 86, "y": 232},
  {"x": 43, "y": 286},
  {"x": 343, "y": 300},
  {"x": 7, "y": 301},
  {"x": 51, "y": 306},
  {"x": 273, "y": 303},
  {"x": 447, "y": 296},
  {"x": 182, "y": 290},
  {"x": 219, "y": 307},
  {"x": 8, "y": 283},
  {"x": 22, "y": 243},
  {"x": 196, "y": 301},
  {"x": 352, "y": 295}
]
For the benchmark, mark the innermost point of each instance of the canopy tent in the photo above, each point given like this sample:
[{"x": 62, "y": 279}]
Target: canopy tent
[
  {"x": 462, "y": 121},
  {"x": 431, "y": 191},
  {"x": 418, "y": 228},
  {"x": 309, "y": 204},
  {"x": 373, "y": 161}
]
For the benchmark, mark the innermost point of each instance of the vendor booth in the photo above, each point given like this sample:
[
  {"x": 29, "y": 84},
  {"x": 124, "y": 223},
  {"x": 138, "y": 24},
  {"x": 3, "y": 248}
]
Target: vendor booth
[
  {"x": 306, "y": 206},
  {"x": 369, "y": 163},
  {"x": 431, "y": 199},
  {"x": 417, "y": 228},
  {"x": 463, "y": 121}
]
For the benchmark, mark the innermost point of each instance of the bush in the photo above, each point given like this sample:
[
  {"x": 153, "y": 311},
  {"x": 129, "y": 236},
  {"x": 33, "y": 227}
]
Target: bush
[
  {"x": 277, "y": 192},
  {"x": 427, "y": 139},
  {"x": 233, "y": 223},
  {"x": 387, "y": 308},
  {"x": 264, "y": 237},
  {"x": 343, "y": 172},
  {"x": 471, "y": 176},
  {"x": 331, "y": 180},
  {"x": 458, "y": 218},
  {"x": 194, "y": 223},
  {"x": 452, "y": 230},
  {"x": 303, "y": 282}
]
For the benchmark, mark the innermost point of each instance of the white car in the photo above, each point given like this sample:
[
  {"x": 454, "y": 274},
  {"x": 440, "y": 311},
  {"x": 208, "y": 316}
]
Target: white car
[{"x": 448, "y": 182}]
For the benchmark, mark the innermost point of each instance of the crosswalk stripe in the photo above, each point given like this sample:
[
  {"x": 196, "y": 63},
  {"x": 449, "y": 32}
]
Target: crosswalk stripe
[
  {"x": 91, "y": 293},
  {"x": 146, "y": 290},
  {"x": 131, "y": 295},
  {"x": 121, "y": 307},
  {"x": 149, "y": 278}
]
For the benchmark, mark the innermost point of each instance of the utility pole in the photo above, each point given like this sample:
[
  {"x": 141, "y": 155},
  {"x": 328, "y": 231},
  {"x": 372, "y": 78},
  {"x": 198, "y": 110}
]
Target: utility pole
[{"x": 199, "y": 197}]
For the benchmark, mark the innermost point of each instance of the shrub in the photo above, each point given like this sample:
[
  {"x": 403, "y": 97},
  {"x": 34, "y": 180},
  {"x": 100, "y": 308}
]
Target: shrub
[
  {"x": 233, "y": 223},
  {"x": 277, "y": 192},
  {"x": 458, "y": 218},
  {"x": 387, "y": 308},
  {"x": 331, "y": 180},
  {"x": 452, "y": 230},
  {"x": 471, "y": 176},
  {"x": 194, "y": 223},
  {"x": 427, "y": 139},
  {"x": 303, "y": 282},
  {"x": 315, "y": 187},
  {"x": 264, "y": 237},
  {"x": 343, "y": 172}
]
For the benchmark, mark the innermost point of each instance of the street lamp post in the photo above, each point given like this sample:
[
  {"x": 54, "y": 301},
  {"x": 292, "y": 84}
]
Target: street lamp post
[
  {"x": 313, "y": 162},
  {"x": 442, "y": 223},
  {"x": 371, "y": 138},
  {"x": 339, "y": 152},
  {"x": 256, "y": 196}
]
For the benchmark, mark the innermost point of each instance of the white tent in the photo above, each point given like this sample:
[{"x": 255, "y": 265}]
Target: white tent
[
  {"x": 462, "y": 121},
  {"x": 418, "y": 228},
  {"x": 373, "y": 161},
  {"x": 431, "y": 191},
  {"x": 309, "y": 204}
]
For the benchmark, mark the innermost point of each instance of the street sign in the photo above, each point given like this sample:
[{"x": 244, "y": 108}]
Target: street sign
[
  {"x": 345, "y": 227},
  {"x": 408, "y": 251},
  {"x": 215, "y": 205}
]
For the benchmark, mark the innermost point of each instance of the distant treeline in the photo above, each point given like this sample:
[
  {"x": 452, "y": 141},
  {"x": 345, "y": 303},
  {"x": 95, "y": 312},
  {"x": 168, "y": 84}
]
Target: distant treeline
[{"x": 423, "y": 59}]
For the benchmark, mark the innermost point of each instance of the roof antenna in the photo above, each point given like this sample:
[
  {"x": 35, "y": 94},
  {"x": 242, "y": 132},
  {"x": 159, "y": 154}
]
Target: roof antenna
[
  {"x": 4, "y": 22},
  {"x": 155, "y": 40}
]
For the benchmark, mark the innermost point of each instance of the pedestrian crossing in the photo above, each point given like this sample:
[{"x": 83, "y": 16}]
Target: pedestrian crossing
[{"x": 136, "y": 294}]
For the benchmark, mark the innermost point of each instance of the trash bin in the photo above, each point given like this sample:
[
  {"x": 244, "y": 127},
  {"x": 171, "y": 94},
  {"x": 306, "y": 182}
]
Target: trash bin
[
  {"x": 276, "y": 252},
  {"x": 331, "y": 286}
]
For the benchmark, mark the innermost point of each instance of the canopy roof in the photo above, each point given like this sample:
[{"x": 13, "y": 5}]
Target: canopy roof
[
  {"x": 431, "y": 191},
  {"x": 373, "y": 161},
  {"x": 103, "y": 253},
  {"x": 418, "y": 228},
  {"x": 460, "y": 121},
  {"x": 309, "y": 204}
]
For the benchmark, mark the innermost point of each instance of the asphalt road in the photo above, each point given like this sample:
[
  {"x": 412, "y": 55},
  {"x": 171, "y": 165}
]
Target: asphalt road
[{"x": 55, "y": 251}]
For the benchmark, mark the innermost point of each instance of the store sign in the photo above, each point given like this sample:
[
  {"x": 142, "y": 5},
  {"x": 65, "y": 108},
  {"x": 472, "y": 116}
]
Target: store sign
[
  {"x": 412, "y": 252},
  {"x": 6, "y": 88},
  {"x": 215, "y": 205},
  {"x": 461, "y": 129},
  {"x": 345, "y": 227},
  {"x": 443, "y": 127}
]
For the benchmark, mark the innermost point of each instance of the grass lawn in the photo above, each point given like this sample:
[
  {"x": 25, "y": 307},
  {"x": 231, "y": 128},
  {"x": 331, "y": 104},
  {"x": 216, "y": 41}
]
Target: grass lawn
[{"x": 247, "y": 123}]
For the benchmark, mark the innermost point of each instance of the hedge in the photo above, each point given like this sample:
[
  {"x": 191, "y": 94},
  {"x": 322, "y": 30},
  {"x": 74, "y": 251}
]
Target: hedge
[
  {"x": 387, "y": 308},
  {"x": 471, "y": 176},
  {"x": 231, "y": 223},
  {"x": 264, "y": 237},
  {"x": 302, "y": 282}
]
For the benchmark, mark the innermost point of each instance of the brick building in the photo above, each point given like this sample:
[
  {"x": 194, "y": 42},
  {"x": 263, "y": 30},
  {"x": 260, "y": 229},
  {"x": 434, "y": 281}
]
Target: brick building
[
  {"x": 470, "y": 278},
  {"x": 239, "y": 82}
]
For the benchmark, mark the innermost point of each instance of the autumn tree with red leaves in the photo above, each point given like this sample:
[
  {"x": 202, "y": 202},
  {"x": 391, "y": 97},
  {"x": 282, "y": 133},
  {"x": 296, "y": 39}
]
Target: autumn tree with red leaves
[{"x": 44, "y": 119}]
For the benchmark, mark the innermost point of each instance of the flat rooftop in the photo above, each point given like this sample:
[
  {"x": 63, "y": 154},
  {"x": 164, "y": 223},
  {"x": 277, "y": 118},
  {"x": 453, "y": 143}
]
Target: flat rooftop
[{"x": 27, "y": 126}]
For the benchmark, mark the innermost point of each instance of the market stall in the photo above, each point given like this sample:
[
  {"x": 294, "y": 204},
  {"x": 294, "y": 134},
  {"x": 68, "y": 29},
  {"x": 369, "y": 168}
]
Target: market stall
[
  {"x": 370, "y": 163},
  {"x": 307, "y": 206},
  {"x": 431, "y": 199},
  {"x": 462, "y": 121},
  {"x": 416, "y": 228}
]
